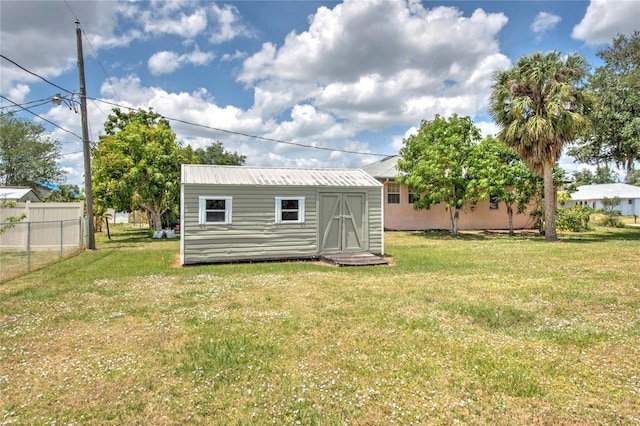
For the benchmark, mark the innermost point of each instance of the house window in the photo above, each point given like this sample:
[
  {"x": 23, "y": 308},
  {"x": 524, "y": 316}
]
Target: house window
[
  {"x": 393, "y": 193},
  {"x": 493, "y": 203},
  {"x": 630, "y": 202},
  {"x": 215, "y": 210},
  {"x": 413, "y": 197},
  {"x": 289, "y": 209}
]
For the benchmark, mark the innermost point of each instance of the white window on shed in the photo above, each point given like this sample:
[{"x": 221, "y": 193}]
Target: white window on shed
[
  {"x": 289, "y": 209},
  {"x": 215, "y": 210}
]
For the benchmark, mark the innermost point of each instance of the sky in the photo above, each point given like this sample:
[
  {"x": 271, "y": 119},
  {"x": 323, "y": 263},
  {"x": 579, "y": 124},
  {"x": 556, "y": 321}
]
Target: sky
[{"x": 338, "y": 84}]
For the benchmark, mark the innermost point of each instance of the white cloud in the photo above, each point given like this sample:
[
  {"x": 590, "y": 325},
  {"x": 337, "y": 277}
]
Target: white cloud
[
  {"x": 41, "y": 36},
  {"x": 198, "y": 57},
  {"x": 310, "y": 126},
  {"x": 487, "y": 128},
  {"x": 605, "y": 19},
  {"x": 398, "y": 141},
  {"x": 359, "y": 65},
  {"x": 233, "y": 56},
  {"x": 228, "y": 25},
  {"x": 166, "y": 62},
  {"x": 194, "y": 107},
  {"x": 18, "y": 93},
  {"x": 377, "y": 63},
  {"x": 186, "y": 26},
  {"x": 544, "y": 22}
]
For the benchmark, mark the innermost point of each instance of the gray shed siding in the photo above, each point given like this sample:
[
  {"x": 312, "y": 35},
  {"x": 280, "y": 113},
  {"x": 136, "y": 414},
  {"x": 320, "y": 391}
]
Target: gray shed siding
[{"x": 254, "y": 233}]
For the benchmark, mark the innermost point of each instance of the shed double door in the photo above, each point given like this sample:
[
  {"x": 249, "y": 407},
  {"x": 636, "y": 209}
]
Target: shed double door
[{"x": 343, "y": 222}]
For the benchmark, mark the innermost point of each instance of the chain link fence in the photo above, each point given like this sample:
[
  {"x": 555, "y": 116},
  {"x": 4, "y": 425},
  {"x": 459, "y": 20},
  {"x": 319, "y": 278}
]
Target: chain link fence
[{"x": 28, "y": 245}]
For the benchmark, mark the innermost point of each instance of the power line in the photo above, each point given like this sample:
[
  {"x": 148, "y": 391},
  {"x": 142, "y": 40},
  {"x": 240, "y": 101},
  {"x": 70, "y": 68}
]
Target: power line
[
  {"x": 95, "y": 54},
  {"x": 70, "y": 153},
  {"x": 42, "y": 118},
  {"x": 217, "y": 129},
  {"x": 43, "y": 101},
  {"x": 34, "y": 74},
  {"x": 231, "y": 132}
]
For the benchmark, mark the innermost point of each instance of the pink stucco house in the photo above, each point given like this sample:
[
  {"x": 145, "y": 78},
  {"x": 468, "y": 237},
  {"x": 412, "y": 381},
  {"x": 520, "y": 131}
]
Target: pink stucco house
[{"x": 399, "y": 214}]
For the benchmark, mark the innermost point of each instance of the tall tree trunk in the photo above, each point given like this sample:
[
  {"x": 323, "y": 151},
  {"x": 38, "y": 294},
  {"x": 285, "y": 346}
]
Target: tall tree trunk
[
  {"x": 157, "y": 219},
  {"x": 510, "y": 214},
  {"x": 154, "y": 214},
  {"x": 454, "y": 214},
  {"x": 549, "y": 203}
]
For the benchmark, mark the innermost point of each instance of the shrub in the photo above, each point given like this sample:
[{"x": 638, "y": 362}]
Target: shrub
[
  {"x": 612, "y": 222},
  {"x": 574, "y": 219}
]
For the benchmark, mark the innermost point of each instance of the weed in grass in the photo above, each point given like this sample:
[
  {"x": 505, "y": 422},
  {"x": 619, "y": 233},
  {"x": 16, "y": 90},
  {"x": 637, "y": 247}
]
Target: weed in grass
[
  {"x": 487, "y": 315},
  {"x": 225, "y": 358}
]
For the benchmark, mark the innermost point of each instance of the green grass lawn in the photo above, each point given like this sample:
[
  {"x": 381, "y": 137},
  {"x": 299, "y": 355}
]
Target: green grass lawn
[{"x": 481, "y": 329}]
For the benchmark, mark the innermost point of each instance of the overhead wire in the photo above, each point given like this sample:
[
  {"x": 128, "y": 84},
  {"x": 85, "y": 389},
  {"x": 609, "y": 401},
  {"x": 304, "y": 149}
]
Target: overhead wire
[
  {"x": 217, "y": 129},
  {"x": 42, "y": 102},
  {"x": 36, "y": 75},
  {"x": 42, "y": 118},
  {"x": 95, "y": 54}
]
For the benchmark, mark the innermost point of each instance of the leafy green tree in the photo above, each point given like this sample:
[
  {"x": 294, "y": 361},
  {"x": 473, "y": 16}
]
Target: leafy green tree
[
  {"x": 601, "y": 175},
  {"x": 441, "y": 163},
  {"x": 137, "y": 165},
  {"x": 9, "y": 222},
  {"x": 27, "y": 154},
  {"x": 215, "y": 154},
  {"x": 632, "y": 177},
  {"x": 575, "y": 219},
  {"x": 65, "y": 193},
  {"x": 540, "y": 105},
  {"x": 616, "y": 133},
  {"x": 118, "y": 120},
  {"x": 583, "y": 177},
  {"x": 608, "y": 208},
  {"x": 609, "y": 205},
  {"x": 511, "y": 181}
]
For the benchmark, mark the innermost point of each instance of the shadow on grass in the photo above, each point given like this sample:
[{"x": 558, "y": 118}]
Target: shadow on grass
[
  {"x": 478, "y": 235},
  {"x": 130, "y": 237},
  {"x": 601, "y": 234}
]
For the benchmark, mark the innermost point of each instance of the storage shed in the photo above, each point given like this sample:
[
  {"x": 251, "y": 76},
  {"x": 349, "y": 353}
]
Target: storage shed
[
  {"x": 19, "y": 194},
  {"x": 238, "y": 213}
]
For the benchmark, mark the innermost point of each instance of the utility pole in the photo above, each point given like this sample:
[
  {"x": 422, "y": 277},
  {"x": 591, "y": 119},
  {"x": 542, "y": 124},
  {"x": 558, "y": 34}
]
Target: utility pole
[{"x": 86, "y": 147}]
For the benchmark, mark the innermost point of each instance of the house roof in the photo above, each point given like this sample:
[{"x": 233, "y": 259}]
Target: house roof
[
  {"x": 14, "y": 192},
  {"x": 608, "y": 190},
  {"x": 266, "y": 176},
  {"x": 383, "y": 169}
]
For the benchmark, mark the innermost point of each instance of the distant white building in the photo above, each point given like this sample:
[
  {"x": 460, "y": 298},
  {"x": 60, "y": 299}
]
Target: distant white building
[
  {"x": 592, "y": 195},
  {"x": 19, "y": 194}
]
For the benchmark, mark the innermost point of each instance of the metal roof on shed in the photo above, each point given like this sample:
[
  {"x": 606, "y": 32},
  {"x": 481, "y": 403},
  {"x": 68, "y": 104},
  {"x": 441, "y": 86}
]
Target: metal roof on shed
[
  {"x": 14, "y": 192},
  {"x": 267, "y": 176}
]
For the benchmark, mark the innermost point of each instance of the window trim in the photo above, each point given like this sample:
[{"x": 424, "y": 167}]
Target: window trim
[
  {"x": 494, "y": 204},
  {"x": 412, "y": 197},
  {"x": 301, "y": 209},
  {"x": 398, "y": 193},
  {"x": 228, "y": 209}
]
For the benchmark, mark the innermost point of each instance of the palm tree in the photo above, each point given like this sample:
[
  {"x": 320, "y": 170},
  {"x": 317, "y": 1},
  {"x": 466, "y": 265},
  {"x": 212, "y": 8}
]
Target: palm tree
[{"x": 540, "y": 105}]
